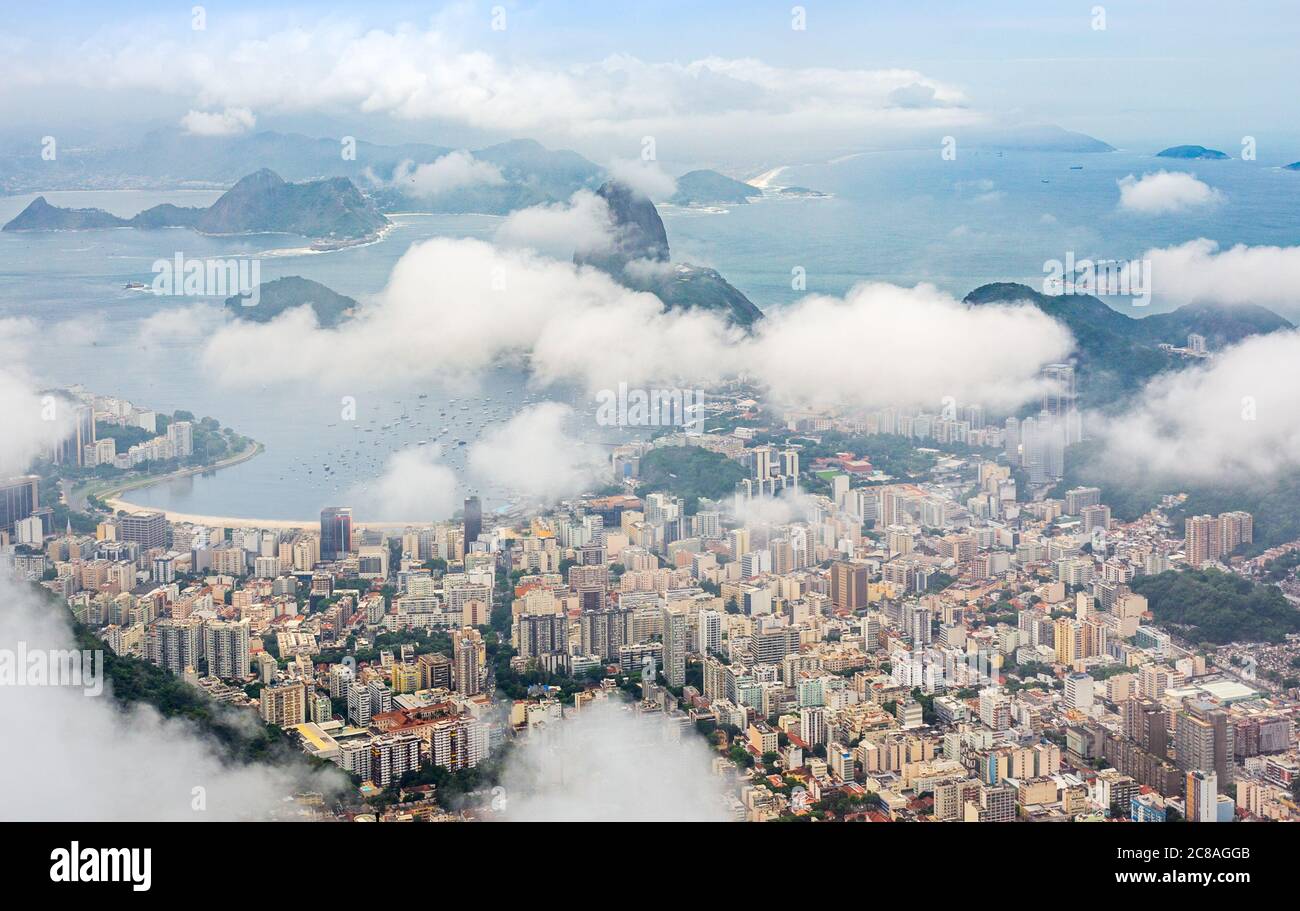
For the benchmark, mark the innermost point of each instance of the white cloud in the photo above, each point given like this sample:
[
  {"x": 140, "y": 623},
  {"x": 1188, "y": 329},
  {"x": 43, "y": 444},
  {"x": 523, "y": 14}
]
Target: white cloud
[
  {"x": 87, "y": 762},
  {"x": 453, "y": 171},
  {"x": 415, "y": 487},
  {"x": 645, "y": 177},
  {"x": 417, "y": 74},
  {"x": 882, "y": 344},
  {"x": 230, "y": 122},
  {"x": 33, "y": 421},
  {"x": 607, "y": 763},
  {"x": 1165, "y": 192},
  {"x": 1199, "y": 271},
  {"x": 780, "y": 510},
  {"x": 581, "y": 225},
  {"x": 534, "y": 454},
  {"x": 1236, "y": 418},
  {"x": 460, "y": 306},
  {"x": 180, "y": 325}
]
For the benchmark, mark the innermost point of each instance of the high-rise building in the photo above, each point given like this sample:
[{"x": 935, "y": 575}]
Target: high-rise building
[
  {"x": 226, "y": 647},
  {"x": 71, "y": 450},
  {"x": 459, "y": 743},
  {"x": 1204, "y": 540},
  {"x": 1204, "y": 740},
  {"x": 284, "y": 706},
  {"x": 812, "y": 725},
  {"x": 473, "y": 521},
  {"x": 1079, "y": 498},
  {"x": 359, "y": 712},
  {"x": 335, "y": 532},
  {"x": 175, "y": 645},
  {"x": 19, "y": 498},
  {"x": 708, "y": 632},
  {"x": 1062, "y": 394},
  {"x": 434, "y": 670},
  {"x": 674, "y": 633},
  {"x": 848, "y": 586},
  {"x": 468, "y": 659},
  {"x": 392, "y": 756},
  {"x": 148, "y": 529},
  {"x": 539, "y": 635},
  {"x": 1235, "y": 528},
  {"x": 181, "y": 435},
  {"x": 1202, "y": 796}
]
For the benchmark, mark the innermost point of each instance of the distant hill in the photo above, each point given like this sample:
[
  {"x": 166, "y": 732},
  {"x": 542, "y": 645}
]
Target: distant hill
[
  {"x": 532, "y": 173},
  {"x": 1116, "y": 354},
  {"x": 259, "y": 203},
  {"x": 709, "y": 188},
  {"x": 41, "y": 216},
  {"x": 640, "y": 260},
  {"x": 801, "y": 192},
  {"x": 1035, "y": 138},
  {"x": 289, "y": 292},
  {"x": 1192, "y": 152}
]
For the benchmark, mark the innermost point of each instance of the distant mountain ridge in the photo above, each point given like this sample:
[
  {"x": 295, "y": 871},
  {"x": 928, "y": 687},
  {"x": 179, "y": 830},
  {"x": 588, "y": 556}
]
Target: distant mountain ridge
[
  {"x": 1115, "y": 353},
  {"x": 531, "y": 173},
  {"x": 261, "y": 202}
]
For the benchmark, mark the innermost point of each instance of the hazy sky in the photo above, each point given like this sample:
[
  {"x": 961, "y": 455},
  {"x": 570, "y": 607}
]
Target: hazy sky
[{"x": 1160, "y": 72}]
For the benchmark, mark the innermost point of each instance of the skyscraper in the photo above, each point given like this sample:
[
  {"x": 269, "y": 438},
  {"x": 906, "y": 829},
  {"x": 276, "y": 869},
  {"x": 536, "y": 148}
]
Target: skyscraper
[
  {"x": 848, "y": 586},
  {"x": 473, "y": 521},
  {"x": 19, "y": 498},
  {"x": 335, "y": 532},
  {"x": 72, "y": 449},
  {"x": 674, "y": 620},
  {"x": 468, "y": 661},
  {"x": 1203, "y": 540},
  {"x": 1204, "y": 740},
  {"x": 1060, "y": 398},
  {"x": 147, "y": 528},
  {"x": 226, "y": 647}
]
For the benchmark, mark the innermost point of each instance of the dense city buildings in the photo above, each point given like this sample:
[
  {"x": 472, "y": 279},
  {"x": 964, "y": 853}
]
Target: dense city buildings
[{"x": 937, "y": 647}]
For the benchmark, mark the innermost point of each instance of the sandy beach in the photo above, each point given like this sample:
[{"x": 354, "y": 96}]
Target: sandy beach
[
  {"x": 236, "y": 522},
  {"x": 764, "y": 181}
]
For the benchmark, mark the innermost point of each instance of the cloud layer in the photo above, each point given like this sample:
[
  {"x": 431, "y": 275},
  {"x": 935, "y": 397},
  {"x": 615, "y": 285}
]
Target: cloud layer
[
  {"x": 1200, "y": 271},
  {"x": 532, "y": 455},
  {"x": 459, "y": 306},
  {"x": 1236, "y": 418},
  {"x": 1165, "y": 193},
  {"x": 33, "y": 421},
  {"x": 87, "y": 760},
  {"x": 413, "y": 73},
  {"x": 230, "y": 122},
  {"x": 606, "y": 763},
  {"x": 453, "y": 171}
]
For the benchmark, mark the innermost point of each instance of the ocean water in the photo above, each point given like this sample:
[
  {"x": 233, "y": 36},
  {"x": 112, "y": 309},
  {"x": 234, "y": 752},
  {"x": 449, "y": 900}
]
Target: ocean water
[{"x": 897, "y": 217}]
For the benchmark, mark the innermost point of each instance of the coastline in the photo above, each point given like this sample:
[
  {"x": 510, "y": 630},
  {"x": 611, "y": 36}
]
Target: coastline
[{"x": 112, "y": 497}]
